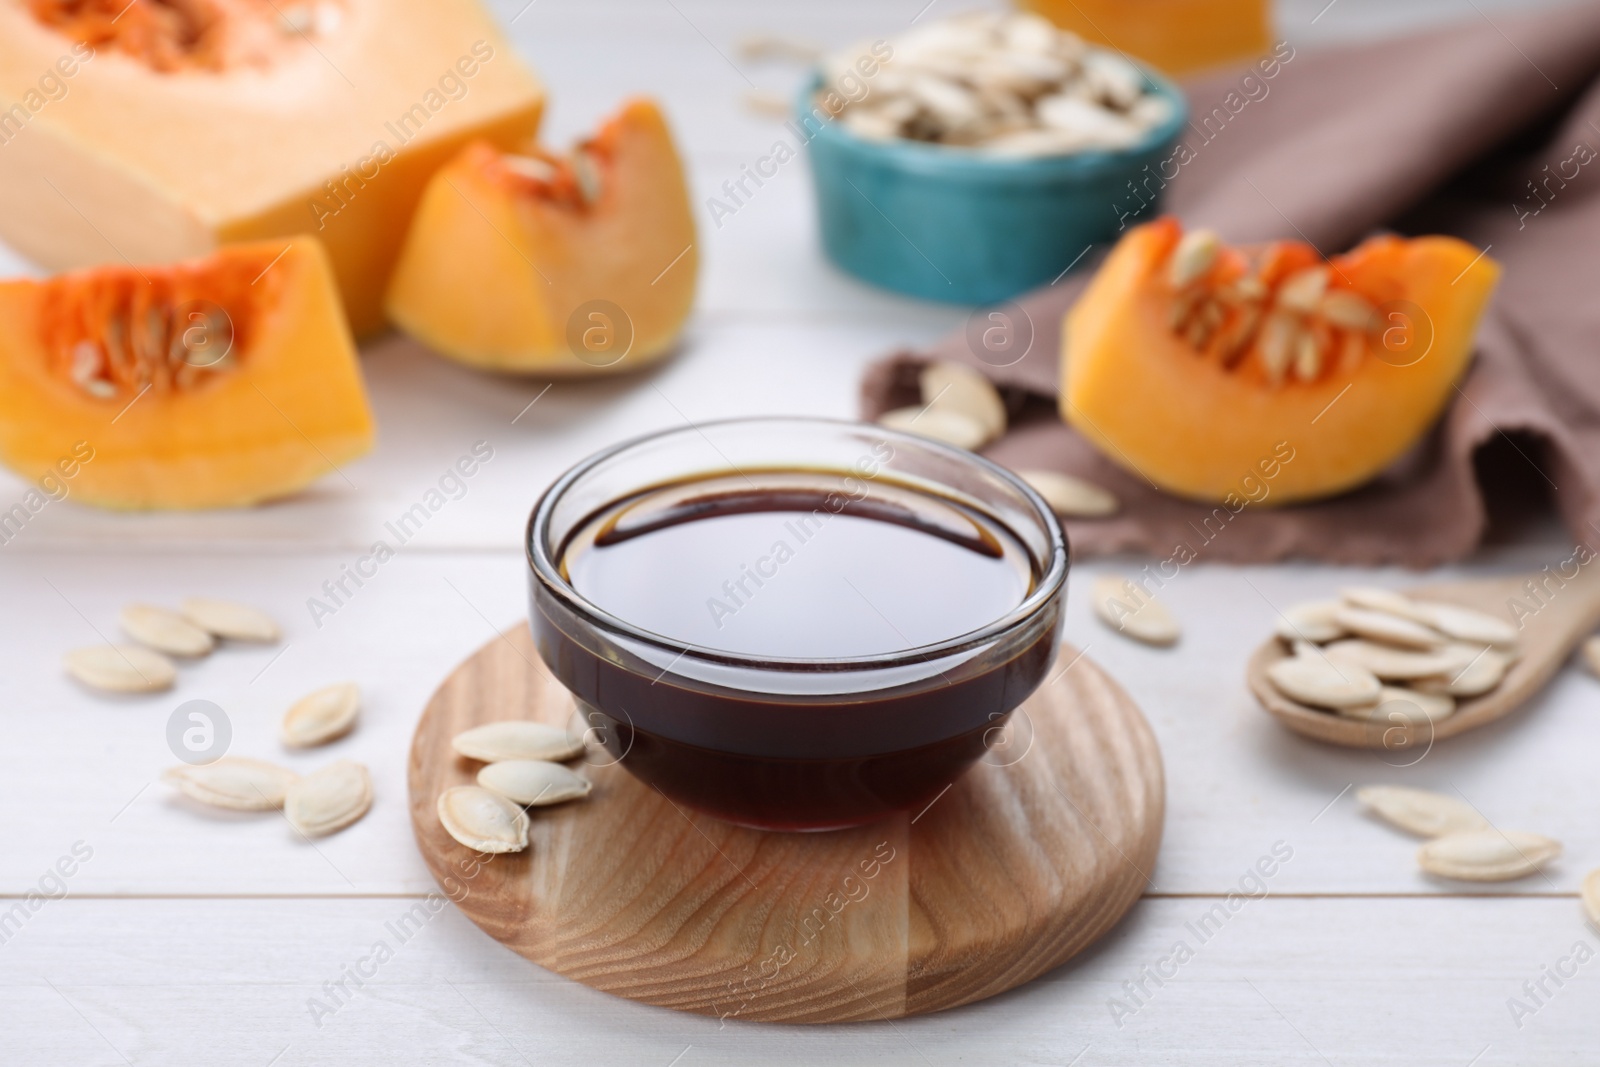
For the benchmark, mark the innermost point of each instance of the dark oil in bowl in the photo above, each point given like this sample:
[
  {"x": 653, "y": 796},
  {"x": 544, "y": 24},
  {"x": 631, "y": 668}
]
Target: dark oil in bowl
[{"x": 799, "y": 582}]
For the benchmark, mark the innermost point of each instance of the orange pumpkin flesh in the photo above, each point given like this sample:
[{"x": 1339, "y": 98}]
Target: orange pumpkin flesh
[
  {"x": 1196, "y": 400},
  {"x": 159, "y": 130},
  {"x": 213, "y": 383},
  {"x": 538, "y": 264}
]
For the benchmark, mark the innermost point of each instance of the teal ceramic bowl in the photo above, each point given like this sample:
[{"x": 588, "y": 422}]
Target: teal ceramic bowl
[{"x": 947, "y": 224}]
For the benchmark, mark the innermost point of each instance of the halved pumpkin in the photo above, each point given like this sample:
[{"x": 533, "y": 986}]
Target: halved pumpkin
[
  {"x": 542, "y": 264},
  {"x": 218, "y": 382},
  {"x": 157, "y": 130},
  {"x": 1195, "y": 365}
]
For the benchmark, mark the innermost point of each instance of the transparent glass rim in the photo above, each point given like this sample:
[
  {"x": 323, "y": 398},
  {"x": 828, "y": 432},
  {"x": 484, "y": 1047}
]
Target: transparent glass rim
[{"x": 546, "y": 570}]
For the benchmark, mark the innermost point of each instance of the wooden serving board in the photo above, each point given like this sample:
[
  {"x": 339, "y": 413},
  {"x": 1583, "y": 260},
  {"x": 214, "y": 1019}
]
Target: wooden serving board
[{"x": 1018, "y": 866}]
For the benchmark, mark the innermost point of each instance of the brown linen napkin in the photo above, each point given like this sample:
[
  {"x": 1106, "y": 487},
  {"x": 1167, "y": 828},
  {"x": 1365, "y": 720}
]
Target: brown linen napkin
[{"x": 1447, "y": 132}]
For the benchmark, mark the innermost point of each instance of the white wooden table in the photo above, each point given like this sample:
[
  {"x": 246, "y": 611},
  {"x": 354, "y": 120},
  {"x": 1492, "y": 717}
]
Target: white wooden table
[{"x": 192, "y": 937}]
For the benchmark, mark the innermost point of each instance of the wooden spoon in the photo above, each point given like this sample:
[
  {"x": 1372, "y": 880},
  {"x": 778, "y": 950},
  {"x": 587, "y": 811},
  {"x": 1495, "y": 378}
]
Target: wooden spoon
[{"x": 1556, "y": 614}]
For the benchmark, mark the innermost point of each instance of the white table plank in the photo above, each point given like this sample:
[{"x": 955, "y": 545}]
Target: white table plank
[{"x": 1279, "y": 981}]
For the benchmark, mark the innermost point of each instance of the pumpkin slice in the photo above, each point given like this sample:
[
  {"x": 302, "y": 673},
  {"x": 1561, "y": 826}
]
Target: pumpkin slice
[
  {"x": 1211, "y": 370},
  {"x": 158, "y": 130},
  {"x": 541, "y": 264},
  {"x": 218, "y": 382}
]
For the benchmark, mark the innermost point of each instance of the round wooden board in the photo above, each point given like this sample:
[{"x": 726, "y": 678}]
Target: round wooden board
[{"x": 1018, "y": 866}]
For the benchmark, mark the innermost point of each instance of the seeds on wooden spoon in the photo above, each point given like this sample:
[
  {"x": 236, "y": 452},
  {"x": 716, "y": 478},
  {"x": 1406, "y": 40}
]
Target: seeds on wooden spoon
[
  {"x": 1421, "y": 812},
  {"x": 1397, "y": 663},
  {"x": 1310, "y": 622},
  {"x": 322, "y": 716},
  {"x": 1324, "y": 683},
  {"x": 1487, "y": 855},
  {"x": 1131, "y": 611},
  {"x": 233, "y": 782},
  {"x": 1464, "y": 624},
  {"x": 955, "y": 387},
  {"x": 165, "y": 631},
  {"x": 1069, "y": 497},
  {"x": 533, "y": 782},
  {"x": 223, "y": 618},
  {"x": 481, "y": 820},
  {"x": 1591, "y": 896},
  {"x": 121, "y": 668},
  {"x": 498, "y": 742},
  {"x": 1388, "y": 629},
  {"x": 329, "y": 799},
  {"x": 951, "y": 427}
]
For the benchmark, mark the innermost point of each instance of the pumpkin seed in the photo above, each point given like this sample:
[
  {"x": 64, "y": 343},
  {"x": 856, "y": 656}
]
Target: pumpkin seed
[
  {"x": 1399, "y": 705},
  {"x": 322, "y": 716},
  {"x": 1387, "y": 601},
  {"x": 236, "y": 622},
  {"x": 1131, "y": 611},
  {"x": 1421, "y": 812},
  {"x": 1464, "y": 624},
  {"x": 950, "y": 427},
  {"x": 483, "y": 821},
  {"x": 1349, "y": 310},
  {"x": 1388, "y": 629},
  {"x": 1307, "y": 356},
  {"x": 1194, "y": 255},
  {"x": 498, "y": 742},
  {"x": 533, "y": 782},
  {"x": 586, "y": 172},
  {"x": 1276, "y": 345},
  {"x": 1324, "y": 683},
  {"x": 1487, "y": 855},
  {"x": 1302, "y": 291},
  {"x": 1398, "y": 664},
  {"x": 530, "y": 167},
  {"x": 1485, "y": 670},
  {"x": 233, "y": 782},
  {"x": 1310, "y": 622},
  {"x": 165, "y": 631},
  {"x": 957, "y": 388},
  {"x": 1591, "y": 896},
  {"x": 329, "y": 799},
  {"x": 121, "y": 668},
  {"x": 1069, "y": 497}
]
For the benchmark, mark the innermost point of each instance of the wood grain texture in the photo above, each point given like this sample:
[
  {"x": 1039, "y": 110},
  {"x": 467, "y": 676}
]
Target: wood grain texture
[
  {"x": 1020, "y": 865},
  {"x": 1556, "y": 614}
]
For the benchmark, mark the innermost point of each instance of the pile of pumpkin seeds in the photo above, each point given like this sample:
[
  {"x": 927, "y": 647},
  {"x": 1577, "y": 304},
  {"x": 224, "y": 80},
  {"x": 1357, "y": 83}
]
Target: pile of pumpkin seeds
[
  {"x": 1375, "y": 654},
  {"x": 315, "y": 804},
  {"x": 523, "y": 768},
  {"x": 189, "y": 633}
]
